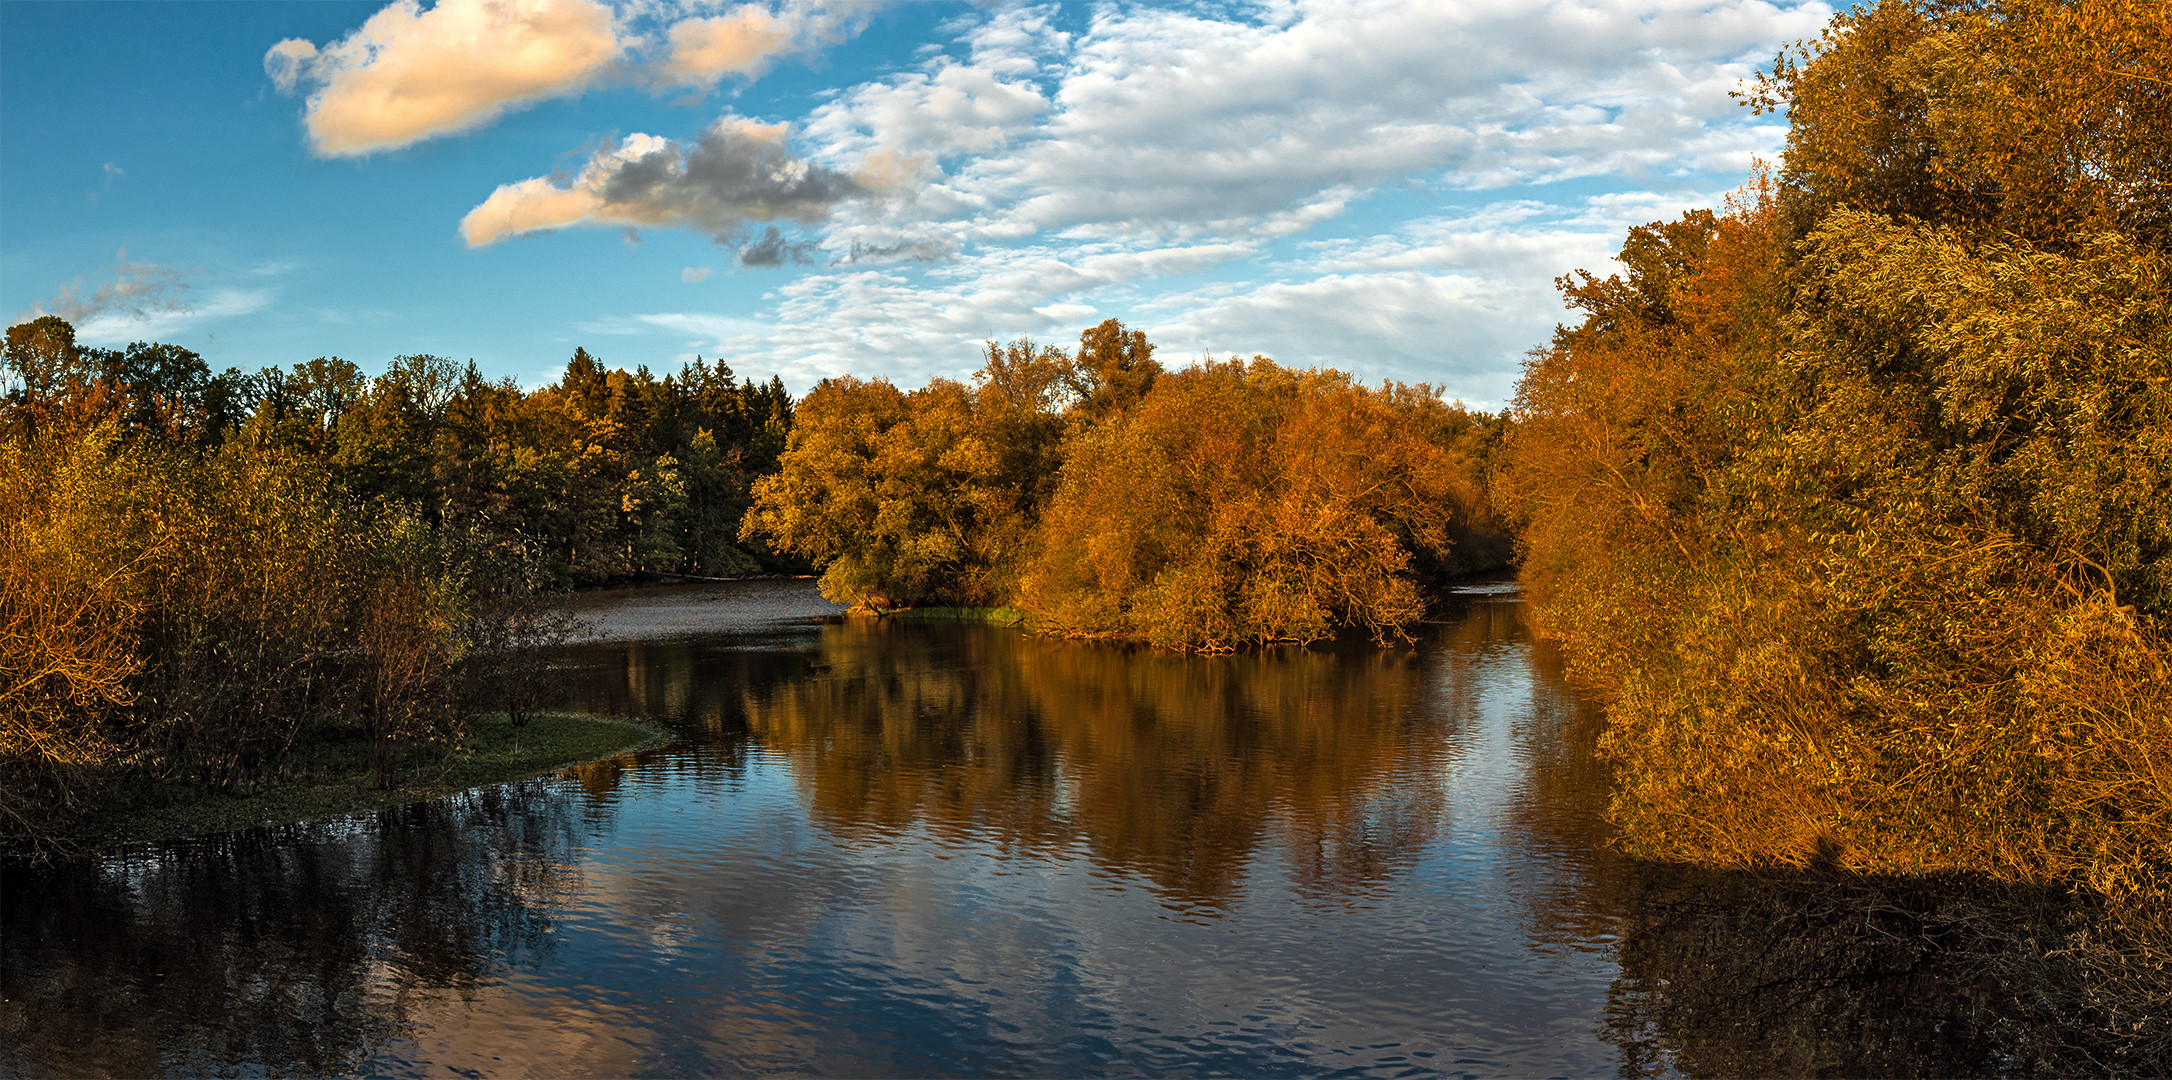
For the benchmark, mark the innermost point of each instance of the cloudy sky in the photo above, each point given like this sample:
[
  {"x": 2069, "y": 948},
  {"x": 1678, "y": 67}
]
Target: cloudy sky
[{"x": 810, "y": 188}]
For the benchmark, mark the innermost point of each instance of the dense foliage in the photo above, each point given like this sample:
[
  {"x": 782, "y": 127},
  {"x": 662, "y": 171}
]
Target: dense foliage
[
  {"x": 1855, "y": 501},
  {"x": 199, "y": 571},
  {"x": 1250, "y": 502},
  {"x": 1103, "y": 496},
  {"x": 921, "y": 496}
]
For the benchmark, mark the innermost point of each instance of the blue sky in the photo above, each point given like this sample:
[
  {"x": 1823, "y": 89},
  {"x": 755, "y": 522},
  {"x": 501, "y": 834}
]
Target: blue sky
[{"x": 1381, "y": 186}]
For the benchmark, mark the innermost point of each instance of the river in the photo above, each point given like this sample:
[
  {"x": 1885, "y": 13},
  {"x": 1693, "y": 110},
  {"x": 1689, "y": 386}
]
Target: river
[{"x": 955, "y": 849}]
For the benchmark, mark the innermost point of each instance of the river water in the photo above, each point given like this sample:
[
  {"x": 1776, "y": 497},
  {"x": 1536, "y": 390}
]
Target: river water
[{"x": 948, "y": 849}]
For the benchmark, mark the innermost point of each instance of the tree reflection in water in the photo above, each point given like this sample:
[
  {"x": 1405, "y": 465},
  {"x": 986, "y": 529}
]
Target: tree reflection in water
[
  {"x": 1181, "y": 769},
  {"x": 1170, "y": 767},
  {"x": 293, "y": 951},
  {"x": 1826, "y": 974},
  {"x": 1365, "y": 855}
]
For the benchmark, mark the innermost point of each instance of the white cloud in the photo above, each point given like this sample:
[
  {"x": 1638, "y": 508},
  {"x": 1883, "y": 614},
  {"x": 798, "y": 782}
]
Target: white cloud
[
  {"x": 111, "y": 172},
  {"x": 119, "y": 326},
  {"x": 1454, "y": 300},
  {"x": 737, "y": 171},
  {"x": 1068, "y": 313},
  {"x": 704, "y": 50},
  {"x": 953, "y": 108},
  {"x": 145, "y": 301},
  {"x": 699, "y": 329},
  {"x": 409, "y": 74},
  {"x": 1267, "y": 181},
  {"x": 1460, "y": 332},
  {"x": 912, "y": 323},
  {"x": 694, "y": 274},
  {"x": 743, "y": 41},
  {"x": 1185, "y": 123},
  {"x": 130, "y": 291}
]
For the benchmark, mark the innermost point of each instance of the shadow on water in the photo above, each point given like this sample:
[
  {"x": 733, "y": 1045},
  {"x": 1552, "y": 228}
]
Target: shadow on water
[
  {"x": 929, "y": 848},
  {"x": 1828, "y": 974}
]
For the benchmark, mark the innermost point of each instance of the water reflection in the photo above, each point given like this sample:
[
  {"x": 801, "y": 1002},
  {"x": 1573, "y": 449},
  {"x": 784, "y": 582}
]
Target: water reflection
[
  {"x": 1171, "y": 767},
  {"x": 883, "y": 849},
  {"x": 283, "y": 951}
]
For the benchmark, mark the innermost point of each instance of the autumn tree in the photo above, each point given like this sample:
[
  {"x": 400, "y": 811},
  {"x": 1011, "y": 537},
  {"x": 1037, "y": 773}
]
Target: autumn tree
[
  {"x": 1850, "y": 501},
  {"x": 924, "y": 496},
  {"x": 1247, "y": 502},
  {"x": 42, "y": 366},
  {"x": 202, "y": 569},
  {"x": 1113, "y": 371}
]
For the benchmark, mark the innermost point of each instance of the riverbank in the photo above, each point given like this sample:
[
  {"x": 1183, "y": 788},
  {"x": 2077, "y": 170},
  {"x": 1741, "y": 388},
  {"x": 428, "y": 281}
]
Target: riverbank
[
  {"x": 332, "y": 776},
  {"x": 998, "y": 616}
]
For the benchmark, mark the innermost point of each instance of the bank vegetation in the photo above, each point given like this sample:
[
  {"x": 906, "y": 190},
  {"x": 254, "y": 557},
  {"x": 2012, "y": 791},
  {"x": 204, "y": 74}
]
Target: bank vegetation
[
  {"x": 204, "y": 579},
  {"x": 1853, "y": 500}
]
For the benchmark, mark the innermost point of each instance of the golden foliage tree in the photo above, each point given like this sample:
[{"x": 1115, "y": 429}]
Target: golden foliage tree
[
  {"x": 929, "y": 495},
  {"x": 1247, "y": 502},
  {"x": 1854, "y": 504},
  {"x": 69, "y": 604}
]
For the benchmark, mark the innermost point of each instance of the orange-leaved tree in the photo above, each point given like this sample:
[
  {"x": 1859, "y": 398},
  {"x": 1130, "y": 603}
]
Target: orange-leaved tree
[{"x": 1247, "y": 502}]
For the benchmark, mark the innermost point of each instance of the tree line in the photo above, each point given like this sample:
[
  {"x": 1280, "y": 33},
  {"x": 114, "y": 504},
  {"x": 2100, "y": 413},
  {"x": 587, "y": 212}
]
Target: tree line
[
  {"x": 1103, "y": 496},
  {"x": 200, "y": 572}
]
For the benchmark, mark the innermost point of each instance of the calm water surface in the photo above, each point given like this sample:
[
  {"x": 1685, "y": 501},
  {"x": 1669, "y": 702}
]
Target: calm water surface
[{"x": 930, "y": 849}]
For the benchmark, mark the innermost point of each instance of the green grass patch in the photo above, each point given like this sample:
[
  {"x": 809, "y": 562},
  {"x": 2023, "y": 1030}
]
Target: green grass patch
[
  {"x": 1002, "y": 616},
  {"x": 331, "y": 775}
]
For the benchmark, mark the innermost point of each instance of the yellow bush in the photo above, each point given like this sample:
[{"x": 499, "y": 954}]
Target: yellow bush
[{"x": 69, "y": 605}]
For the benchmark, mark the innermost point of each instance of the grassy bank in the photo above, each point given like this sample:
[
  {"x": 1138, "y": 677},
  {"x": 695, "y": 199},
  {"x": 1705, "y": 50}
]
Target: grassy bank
[{"x": 331, "y": 775}]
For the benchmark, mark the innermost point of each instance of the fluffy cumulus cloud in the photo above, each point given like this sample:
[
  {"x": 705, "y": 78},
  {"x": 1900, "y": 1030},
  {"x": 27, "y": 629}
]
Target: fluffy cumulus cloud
[
  {"x": 738, "y": 171},
  {"x": 702, "y": 49},
  {"x": 408, "y": 73}
]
